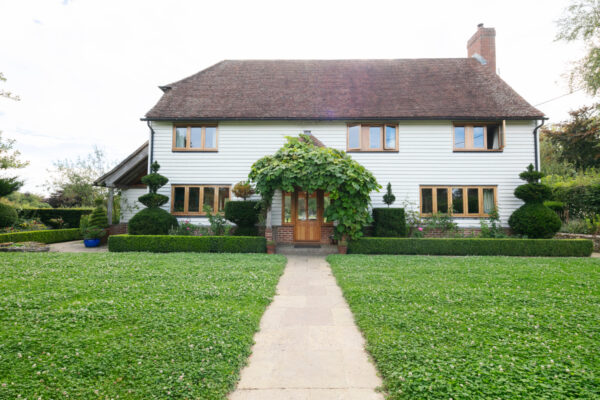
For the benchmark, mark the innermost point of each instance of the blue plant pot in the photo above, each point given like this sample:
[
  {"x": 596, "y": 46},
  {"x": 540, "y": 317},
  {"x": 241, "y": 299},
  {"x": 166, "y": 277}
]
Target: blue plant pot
[{"x": 91, "y": 242}]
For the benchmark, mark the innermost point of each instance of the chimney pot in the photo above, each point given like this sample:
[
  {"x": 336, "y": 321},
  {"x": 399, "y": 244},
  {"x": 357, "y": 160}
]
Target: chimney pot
[
  {"x": 480, "y": 25},
  {"x": 482, "y": 46}
]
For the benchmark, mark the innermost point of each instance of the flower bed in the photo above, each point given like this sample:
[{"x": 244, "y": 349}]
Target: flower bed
[{"x": 198, "y": 244}]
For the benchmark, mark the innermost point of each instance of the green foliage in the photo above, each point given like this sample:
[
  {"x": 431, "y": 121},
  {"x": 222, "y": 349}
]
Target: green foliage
[
  {"x": 245, "y": 215},
  {"x": 388, "y": 197},
  {"x": 84, "y": 223},
  {"x": 441, "y": 222},
  {"x": 582, "y": 22},
  {"x": 299, "y": 164},
  {"x": 492, "y": 229},
  {"x": 71, "y": 216},
  {"x": 93, "y": 232},
  {"x": 186, "y": 228},
  {"x": 25, "y": 200},
  {"x": 218, "y": 223},
  {"x": 8, "y": 215},
  {"x": 9, "y": 185},
  {"x": 130, "y": 326},
  {"x": 46, "y": 236},
  {"x": 578, "y": 138},
  {"x": 98, "y": 218},
  {"x": 473, "y": 247},
  {"x": 389, "y": 222},
  {"x": 477, "y": 327},
  {"x": 151, "y": 221},
  {"x": 243, "y": 190},
  {"x": 581, "y": 201},
  {"x": 198, "y": 244},
  {"x": 555, "y": 206},
  {"x": 552, "y": 163},
  {"x": 533, "y": 219},
  {"x": 154, "y": 181},
  {"x": 9, "y": 159},
  {"x": 153, "y": 200},
  {"x": 24, "y": 225},
  {"x": 580, "y": 226}
]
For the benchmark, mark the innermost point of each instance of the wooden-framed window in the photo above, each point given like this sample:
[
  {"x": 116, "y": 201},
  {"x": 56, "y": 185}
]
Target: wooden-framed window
[
  {"x": 474, "y": 136},
  {"x": 195, "y": 138},
  {"x": 458, "y": 201},
  {"x": 372, "y": 137},
  {"x": 191, "y": 199}
]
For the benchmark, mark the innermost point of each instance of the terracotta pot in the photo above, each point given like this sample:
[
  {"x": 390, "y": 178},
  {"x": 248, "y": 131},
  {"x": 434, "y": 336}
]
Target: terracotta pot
[
  {"x": 270, "y": 249},
  {"x": 342, "y": 249}
]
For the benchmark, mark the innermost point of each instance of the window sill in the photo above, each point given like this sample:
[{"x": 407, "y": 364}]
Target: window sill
[
  {"x": 195, "y": 150},
  {"x": 477, "y": 151},
  {"x": 474, "y": 216},
  {"x": 372, "y": 151}
]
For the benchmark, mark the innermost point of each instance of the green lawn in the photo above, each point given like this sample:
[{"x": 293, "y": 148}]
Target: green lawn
[
  {"x": 134, "y": 326},
  {"x": 478, "y": 327}
]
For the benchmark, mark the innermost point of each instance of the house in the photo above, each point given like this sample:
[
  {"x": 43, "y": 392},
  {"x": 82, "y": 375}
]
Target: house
[{"x": 449, "y": 134}]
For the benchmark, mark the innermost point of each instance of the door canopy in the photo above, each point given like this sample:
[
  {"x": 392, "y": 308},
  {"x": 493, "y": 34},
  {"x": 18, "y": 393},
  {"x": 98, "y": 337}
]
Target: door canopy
[{"x": 302, "y": 164}]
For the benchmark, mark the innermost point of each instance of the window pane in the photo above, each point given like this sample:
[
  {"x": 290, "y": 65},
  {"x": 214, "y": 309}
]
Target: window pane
[
  {"x": 426, "y": 201},
  {"x": 180, "y": 137},
  {"x": 390, "y": 137},
  {"x": 194, "y": 199},
  {"x": 210, "y": 141},
  {"x": 223, "y": 197},
  {"x": 442, "y": 200},
  {"x": 312, "y": 207},
  {"x": 301, "y": 206},
  {"x": 374, "y": 137},
  {"x": 196, "y": 137},
  {"x": 209, "y": 198},
  {"x": 473, "y": 200},
  {"x": 326, "y": 203},
  {"x": 457, "y": 201},
  {"x": 287, "y": 207},
  {"x": 179, "y": 199},
  {"x": 459, "y": 137},
  {"x": 478, "y": 137},
  {"x": 488, "y": 200},
  {"x": 354, "y": 137},
  {"x": 493, "y": 137}
]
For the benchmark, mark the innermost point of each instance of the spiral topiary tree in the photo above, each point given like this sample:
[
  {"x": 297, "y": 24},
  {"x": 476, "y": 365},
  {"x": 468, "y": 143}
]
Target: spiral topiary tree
[
  {"x": 533, "y": 218},
  {"x": 153, "y": 220}
]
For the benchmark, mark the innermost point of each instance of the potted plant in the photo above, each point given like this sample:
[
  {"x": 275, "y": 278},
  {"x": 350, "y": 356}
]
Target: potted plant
[
  {"x": 270, "y": 247},
  {"x": 92, "y": 236},
  {"x": 342, "y": 246}
]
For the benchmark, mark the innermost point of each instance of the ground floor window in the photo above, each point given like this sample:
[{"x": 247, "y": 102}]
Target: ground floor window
[
  {"x": 191, "y": 199},
  {"x": 459, "y": 201}
]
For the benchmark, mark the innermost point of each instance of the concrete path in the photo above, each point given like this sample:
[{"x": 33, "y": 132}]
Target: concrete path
[
  {"x": 308, "y": 347},
  {"x": 75, "y": 246}
]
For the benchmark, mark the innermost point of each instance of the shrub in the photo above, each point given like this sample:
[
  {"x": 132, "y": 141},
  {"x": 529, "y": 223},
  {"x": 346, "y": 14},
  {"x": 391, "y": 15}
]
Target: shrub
[
  {"x": 582, "y": 201},
  {"x": 389, "y": 222},
  {"x": 8, "y": 215},
  {"x": 98, "y": 218},
  {"x": 199, "y": 244},
  {"x": 151, "y": 221},
  {"x": 388, "y": 197},
  {"x": 492, "y": 229},
  {"x": 533, "y": 219},
  {"x": 47, "y": 236},
  {"x": 70, "y": 216},
  {"x": 473, "y": 247},
  {"x": 556, "y": 206},
  {"x": 244, "y": 214},
  {"x": 218, "y": 224},
  {"x": 442, "y": 222},
  {"x": 577, "y": 226},
  {"x": 243, "y": 190}
]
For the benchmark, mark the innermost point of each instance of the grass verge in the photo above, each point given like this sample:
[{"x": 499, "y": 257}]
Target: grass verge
[
  {"x": 478, "y": 327},
  {"x": 135, "y": 326}
]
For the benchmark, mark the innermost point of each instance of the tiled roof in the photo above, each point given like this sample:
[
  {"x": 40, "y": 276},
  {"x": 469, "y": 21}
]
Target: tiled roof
[{"x": 451, "y": 88}]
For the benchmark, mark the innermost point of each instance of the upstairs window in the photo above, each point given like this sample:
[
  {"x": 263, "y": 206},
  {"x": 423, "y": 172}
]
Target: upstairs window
[
  {"x": 191, "y": 199},
  {"x": 372, "y": 137},
  {"x": 478, "y": 137},
  {"x": 195, "y": 138}
]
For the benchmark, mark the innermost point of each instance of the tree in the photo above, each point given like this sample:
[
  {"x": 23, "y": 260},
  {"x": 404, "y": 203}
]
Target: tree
[
  {"x": 243, "y": 190},
  {"x": 577, "y": 139},
  {"x": 552, "y": 163},
  {"x": 582, "y": 22},
  {"x": 389, "y": 197},
  {"x": 301, "y": 164},
  {"x": 6, "y": 94},
  {"x": 9, "y": 159},
  {"x": 72, "y": 181}
]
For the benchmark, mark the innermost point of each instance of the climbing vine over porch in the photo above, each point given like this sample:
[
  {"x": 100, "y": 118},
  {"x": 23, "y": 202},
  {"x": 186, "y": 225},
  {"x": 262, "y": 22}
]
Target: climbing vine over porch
[{"x": 299, "y": 164}]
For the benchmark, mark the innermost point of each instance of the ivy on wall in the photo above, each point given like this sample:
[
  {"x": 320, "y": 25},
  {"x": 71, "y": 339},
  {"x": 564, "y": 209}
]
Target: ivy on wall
[{"x": 299, "y": 164}]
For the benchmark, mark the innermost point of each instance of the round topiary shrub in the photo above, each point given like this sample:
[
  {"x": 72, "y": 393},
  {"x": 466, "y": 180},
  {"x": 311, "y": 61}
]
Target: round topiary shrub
[
  {"x": 534, "y": 219},
  {"x": 8, "y": 215},
  {"x": 151, "y": 221}
]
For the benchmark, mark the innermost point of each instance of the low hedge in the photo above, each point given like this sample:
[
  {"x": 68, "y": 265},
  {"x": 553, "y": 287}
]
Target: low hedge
[
  {"x": 389, "y": 222},
  {"x": 71, "y": 216},
  {"x": 48, "y": 236},
  {"x": 473, "y": 247},
  {"x": 197, "y": 244}
]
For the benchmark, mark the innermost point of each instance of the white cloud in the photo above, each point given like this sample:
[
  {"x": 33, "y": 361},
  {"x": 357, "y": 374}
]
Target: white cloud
[{"x": 87, "y": 71}]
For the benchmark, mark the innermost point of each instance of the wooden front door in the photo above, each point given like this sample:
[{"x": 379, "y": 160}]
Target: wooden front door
[{"x": 308, "y": 214}]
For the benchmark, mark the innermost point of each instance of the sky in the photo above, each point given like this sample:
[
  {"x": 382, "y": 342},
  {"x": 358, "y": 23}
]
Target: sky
[{"x": 88, "y": 70}]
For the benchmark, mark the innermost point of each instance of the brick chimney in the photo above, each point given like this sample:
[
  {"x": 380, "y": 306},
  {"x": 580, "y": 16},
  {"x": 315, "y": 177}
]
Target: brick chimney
[{"x": 482, "y": 46}]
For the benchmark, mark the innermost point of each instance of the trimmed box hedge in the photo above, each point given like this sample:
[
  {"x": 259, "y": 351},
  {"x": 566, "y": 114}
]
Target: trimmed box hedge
[
  {"x": 47, "y": 236},
  {"x": 389, "y": 222},
  {"x": 473, "y": 247},
  {"x": 197, "y": 244},
  {"x": 71, "y": 216}
]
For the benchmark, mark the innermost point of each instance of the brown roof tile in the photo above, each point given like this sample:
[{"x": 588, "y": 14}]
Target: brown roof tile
[{"x": 452, "y": 88}]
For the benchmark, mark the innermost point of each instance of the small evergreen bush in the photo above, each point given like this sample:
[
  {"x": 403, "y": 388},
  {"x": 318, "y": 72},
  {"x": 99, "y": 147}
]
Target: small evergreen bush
[
  {"x": 98, "y": 218},
  {"x": 389, "y": 222},
  {"x": 151, "y": 221},
  {"x": 389, "y": 197},
  {"x": 8, "y": 216},
  {"x": 245, "y": 215}
]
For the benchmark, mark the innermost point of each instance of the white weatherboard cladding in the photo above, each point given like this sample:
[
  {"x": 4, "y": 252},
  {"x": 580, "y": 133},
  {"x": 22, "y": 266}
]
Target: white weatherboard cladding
[
  {"x": 425, "y": 157},
  {"x": 130, "y": 204}
]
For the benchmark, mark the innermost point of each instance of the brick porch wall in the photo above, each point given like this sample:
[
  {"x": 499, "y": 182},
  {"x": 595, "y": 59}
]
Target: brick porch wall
[
  {"x": 285, "y": 234},
  {"x": 117, "y": 229}
]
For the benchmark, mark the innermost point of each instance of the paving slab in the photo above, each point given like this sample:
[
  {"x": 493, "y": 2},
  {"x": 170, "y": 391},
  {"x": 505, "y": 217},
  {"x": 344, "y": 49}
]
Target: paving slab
[
  {"x": 76, "y": 246},
  {"x": 308, "y": 346}
]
